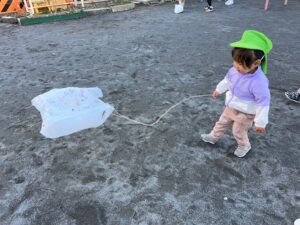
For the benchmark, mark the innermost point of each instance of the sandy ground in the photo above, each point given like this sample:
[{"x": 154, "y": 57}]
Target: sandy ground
[{"x": 145, "y": 60}]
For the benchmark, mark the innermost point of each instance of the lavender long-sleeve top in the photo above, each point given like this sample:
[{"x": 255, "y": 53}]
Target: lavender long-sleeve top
[{"x": 248, "y": 93}]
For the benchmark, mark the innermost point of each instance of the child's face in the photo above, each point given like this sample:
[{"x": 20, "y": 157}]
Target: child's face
[{"x": 245, "y": 70}]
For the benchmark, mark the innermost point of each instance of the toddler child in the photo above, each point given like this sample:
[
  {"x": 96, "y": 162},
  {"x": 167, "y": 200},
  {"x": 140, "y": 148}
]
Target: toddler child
[{"x": 248, "y": 94}]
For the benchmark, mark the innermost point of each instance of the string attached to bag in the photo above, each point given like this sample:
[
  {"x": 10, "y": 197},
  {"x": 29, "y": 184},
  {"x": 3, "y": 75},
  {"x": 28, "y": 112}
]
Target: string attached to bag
[
  {"x": 117, "y": 114},
  {"x": 68, "y": 110}
]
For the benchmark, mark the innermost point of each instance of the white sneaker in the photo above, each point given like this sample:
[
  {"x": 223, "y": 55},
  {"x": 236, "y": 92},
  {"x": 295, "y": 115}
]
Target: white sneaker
[
  {"x": 208, "y": 138},
  {"x": 178, "y": 8},
  {"x": 229, "y": 2},
  {"x": 209, "y": 8},
  {"x": 242, "y": 151}
]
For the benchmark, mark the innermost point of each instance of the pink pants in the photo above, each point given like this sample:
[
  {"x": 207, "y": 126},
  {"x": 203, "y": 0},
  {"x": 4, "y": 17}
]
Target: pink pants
[{"x": 240, "y": 122}]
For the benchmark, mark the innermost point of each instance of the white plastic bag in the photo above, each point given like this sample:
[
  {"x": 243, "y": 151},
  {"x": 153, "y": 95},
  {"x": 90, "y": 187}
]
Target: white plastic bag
[
  {"x": 178, "y": 8},
  {"x": 68, "y": 110}
]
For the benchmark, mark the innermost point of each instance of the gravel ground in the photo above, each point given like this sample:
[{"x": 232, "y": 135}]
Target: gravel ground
[{"x": 146, "y": 60}]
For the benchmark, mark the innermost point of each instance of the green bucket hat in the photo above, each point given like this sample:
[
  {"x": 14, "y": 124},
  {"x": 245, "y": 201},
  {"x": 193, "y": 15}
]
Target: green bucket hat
[{"x": 253, "y": 39}]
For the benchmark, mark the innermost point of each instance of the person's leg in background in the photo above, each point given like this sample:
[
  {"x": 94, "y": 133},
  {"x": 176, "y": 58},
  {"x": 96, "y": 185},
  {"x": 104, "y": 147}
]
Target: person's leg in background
[{"x": 209, "y": 7}]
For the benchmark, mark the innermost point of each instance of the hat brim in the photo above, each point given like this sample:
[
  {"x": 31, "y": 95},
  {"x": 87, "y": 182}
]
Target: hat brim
[{"x": 240, "y": 44}]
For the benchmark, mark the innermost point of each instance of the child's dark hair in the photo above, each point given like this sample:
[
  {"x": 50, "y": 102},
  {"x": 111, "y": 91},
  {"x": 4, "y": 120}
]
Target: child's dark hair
[{"x": 246, "y": 57}]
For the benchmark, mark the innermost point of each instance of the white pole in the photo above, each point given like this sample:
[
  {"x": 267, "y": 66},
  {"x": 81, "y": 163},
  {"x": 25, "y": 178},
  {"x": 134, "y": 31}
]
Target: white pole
[
  {"x": 26, "y": 6},
  {"x": 31, "y": 7}
]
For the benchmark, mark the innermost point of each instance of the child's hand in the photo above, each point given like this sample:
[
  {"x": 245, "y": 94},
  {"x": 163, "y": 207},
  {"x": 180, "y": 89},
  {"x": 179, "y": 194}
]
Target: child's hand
[
  {"x": 260, "y": 129},
  {"x": 216, "y": 94}
]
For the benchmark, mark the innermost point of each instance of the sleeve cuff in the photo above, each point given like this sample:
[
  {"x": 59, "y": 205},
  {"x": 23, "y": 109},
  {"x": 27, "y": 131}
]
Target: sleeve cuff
[{"x": 260, "y": 125}]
